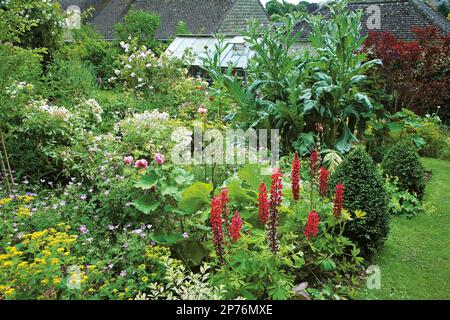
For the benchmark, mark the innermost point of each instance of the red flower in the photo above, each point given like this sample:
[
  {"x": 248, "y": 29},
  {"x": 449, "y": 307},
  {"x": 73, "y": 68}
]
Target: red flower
[
  {"x": 323, "y": 181},
  {"x": 216, "y": 226},
  {"x": 224, "y": 201},
  {"x": 338, "y": 200},
  {"x": 314, "y": 157},
  {"x": 312, "y": 225},
  {"x": 275, "y": 202},
  {"x": 235, "y": 227},
  {"x": 296, "y": 177},
  {"x": 263, "y": 203}
]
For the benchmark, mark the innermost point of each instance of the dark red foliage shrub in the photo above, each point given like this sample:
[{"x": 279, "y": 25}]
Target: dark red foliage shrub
[{"x": 416, "y": 74}]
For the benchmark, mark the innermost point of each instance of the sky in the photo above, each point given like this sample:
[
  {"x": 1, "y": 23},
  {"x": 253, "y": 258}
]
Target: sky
[{"x": 292, "y": 1}]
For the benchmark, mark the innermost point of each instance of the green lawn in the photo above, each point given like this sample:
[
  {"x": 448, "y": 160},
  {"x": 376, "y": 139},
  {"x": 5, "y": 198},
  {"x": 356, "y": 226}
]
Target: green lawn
[{"x": 415, "y": 261}]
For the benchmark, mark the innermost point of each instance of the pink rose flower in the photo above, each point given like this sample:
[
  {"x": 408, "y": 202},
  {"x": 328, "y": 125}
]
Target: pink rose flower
[
  {"x": 141, "y": 164},
  {"x": 128, "y": 160},
  {"x": 159, "y": 158},
  {"x": 202, "y": 110}
]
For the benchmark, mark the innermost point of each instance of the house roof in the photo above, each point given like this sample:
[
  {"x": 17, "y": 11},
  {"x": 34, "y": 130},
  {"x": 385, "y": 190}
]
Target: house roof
[
  {"x": 237, "y": 52},
  {"x": 396, "y": 16},
  {"x": 200, "y": 16}
]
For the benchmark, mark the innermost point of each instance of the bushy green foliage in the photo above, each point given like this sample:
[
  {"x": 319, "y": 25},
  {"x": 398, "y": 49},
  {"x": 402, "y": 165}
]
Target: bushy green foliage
[
  {"x": 90, "y": 47},
  {"x": 403, "y": 162},
  {"x": 141, "y": 25},
  {"x": 69, "y": 78},
  {"x": 364, "y": 190}
]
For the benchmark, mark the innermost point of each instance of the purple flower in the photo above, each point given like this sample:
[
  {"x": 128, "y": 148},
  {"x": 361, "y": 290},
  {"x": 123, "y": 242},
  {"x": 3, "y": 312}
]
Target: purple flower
[
  {"x": 159, "y": 158},
  {"x": 84, "y": 229},
  {"x": 185, "y": 235},
  {"x": 123, "y": 273},
  {"x": 83, "y": 197}
]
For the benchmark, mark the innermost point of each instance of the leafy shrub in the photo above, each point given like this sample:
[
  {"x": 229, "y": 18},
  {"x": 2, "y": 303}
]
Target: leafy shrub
[
  {"x": 42, "y": 129},
  {"x": 32, "y": 24},
  {"x": 415, "y": 73},
  {"x": 403, "y": 162},
  {"x": 141, "y": 25},
  {"x": 402, "y": 202},
  {"x": 180, "y": 284},
  {"x": 69, "y": 79},
  {"x": 18, "y": 64},
  {"x": 90, "y": 47},
  {"x": 364, "y": 190}
]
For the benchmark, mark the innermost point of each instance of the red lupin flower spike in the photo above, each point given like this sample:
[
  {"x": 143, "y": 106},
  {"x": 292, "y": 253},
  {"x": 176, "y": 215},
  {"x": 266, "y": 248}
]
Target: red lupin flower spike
[
  {"x": 263, "y": 203},
  {"x": 296, "y": 177},
  {"x": 224, "y": 201},
  {"x": 275, "y": 202},
  {"x": 314, "y": 157},
  {"x": 216, "y": 226},
  {"x": 235, "y": 227},
  {"x": 323, "y": 181},
  {"x": 338, "y": 201},
  {"x": 312, "y": 225}
]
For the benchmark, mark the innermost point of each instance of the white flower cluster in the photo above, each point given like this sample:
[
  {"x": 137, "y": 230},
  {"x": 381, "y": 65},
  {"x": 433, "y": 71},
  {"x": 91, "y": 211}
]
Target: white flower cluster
[
  {"x": 54, "y": 111},
  {"x": 18, "y": 87},
  {"x": 151, "y": 115},
  {"x": 95, "y": 109}
]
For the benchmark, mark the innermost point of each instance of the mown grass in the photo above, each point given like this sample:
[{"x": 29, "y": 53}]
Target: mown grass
[{"x": 415, "y": 261}]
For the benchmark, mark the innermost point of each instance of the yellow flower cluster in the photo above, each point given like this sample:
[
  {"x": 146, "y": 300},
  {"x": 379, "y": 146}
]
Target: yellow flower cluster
[
  {"x": 41, "y": 257},
  {"x": 5, "y": 201},
  {"x": 24, "y": 212},
  {"x": 25, "y": 198}
]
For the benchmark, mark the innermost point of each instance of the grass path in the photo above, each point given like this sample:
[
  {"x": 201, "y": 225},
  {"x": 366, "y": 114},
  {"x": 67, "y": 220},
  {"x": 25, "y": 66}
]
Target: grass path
[{"x": 415, "y": 261}]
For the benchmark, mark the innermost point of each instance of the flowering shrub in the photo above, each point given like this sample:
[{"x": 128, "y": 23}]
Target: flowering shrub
[{"x": 161, "y": 80}]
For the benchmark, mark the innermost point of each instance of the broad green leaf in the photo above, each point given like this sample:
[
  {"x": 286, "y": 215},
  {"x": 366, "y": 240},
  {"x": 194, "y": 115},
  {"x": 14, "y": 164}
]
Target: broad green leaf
[
  {"x": 147, "y": 182},
  {"x": 328, "y": 264},
  {"x": 396, "y": 126},
  {"x": 418, "y": 140},
  {"x": 195, "y": 197},
  {"x": 170, "y": 238},
  {"x": 146, "y": 203},
  {"x": 343, "y": 144},
  {"x": 239, "y": 194},
  {"x": 251, "y": 174},
  {"x": 192, "y": 250}
]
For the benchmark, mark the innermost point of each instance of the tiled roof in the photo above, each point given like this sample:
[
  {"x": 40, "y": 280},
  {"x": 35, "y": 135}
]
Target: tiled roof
[
  {"x": 237, "y": 18},
  {"x": 200, "y": 16},
  {"x": 397, "y": 17}
]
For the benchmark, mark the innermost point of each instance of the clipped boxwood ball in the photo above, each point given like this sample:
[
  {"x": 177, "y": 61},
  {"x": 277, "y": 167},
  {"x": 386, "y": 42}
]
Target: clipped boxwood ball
[
  {"x": 403, "y": 162},
  {"x": 364, "y": 190}
]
